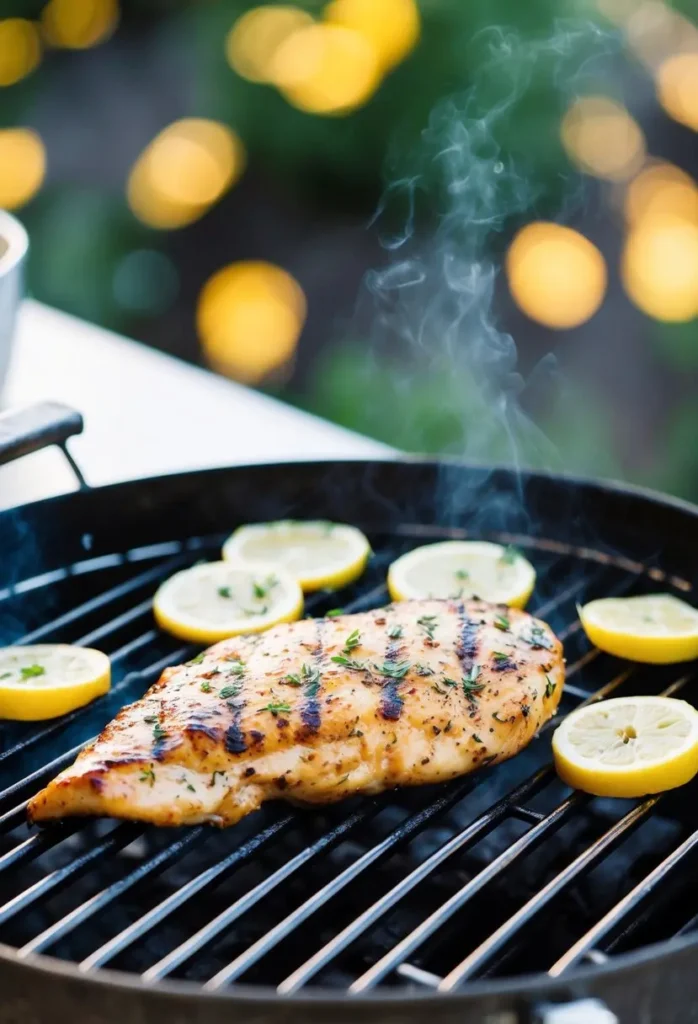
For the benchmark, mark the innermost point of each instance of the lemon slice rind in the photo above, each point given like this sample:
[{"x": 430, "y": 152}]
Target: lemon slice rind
[
  {"x": 319, "y": 554},
  {"x": 216, "y": 600},
  {"x": 40, "y": 681},
  {"x": 461, "y": 569},
  {"x": 628, "y": 746},
  {"x": 658, "y": 629}
]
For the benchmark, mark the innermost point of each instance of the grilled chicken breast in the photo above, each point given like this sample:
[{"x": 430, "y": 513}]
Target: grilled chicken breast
[{"x": 317, "y": 710}]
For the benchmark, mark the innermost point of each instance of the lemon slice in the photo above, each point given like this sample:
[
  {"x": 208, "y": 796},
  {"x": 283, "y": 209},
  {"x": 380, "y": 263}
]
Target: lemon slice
[
  {"x": 657, "y": 628},
  {"x": 210, "y": 602},
  {"x": 628, "y": 746},
  {"x": 316, "y": 553},
  {"x": 462, "y": 569},
  {"x": 47, "y": 680}
]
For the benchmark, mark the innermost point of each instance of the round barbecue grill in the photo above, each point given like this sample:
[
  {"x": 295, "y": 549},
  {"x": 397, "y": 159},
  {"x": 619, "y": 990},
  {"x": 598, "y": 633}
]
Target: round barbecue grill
[{"x": 500, "y": 897}]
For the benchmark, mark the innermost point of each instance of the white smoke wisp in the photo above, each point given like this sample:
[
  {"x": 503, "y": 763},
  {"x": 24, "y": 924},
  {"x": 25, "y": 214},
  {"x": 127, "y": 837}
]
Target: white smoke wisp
[{"x": 432, "y": 304}]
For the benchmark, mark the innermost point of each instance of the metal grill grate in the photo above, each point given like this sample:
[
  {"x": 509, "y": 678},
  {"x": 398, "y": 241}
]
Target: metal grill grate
[{"x": 429, "y": 887}]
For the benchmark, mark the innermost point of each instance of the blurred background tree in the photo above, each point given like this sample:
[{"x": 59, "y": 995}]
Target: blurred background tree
[{"x": 203, "y": 176}]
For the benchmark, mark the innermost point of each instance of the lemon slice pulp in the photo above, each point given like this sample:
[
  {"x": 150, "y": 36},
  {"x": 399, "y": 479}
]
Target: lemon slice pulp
[
  {"x": 463, "y": 569},
  {"x": 628, "y": 746},
  {"x": 47, "y": 680},
  {"x": 210, "y": 602},
  {"x": 657, "y": 628},
  {"x": 316, "y": 553}
]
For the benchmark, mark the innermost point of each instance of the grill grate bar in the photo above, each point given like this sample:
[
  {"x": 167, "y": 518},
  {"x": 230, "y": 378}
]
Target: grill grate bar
[
  {"x": 180, "y": 896},
  {"x": 100, "y": 900},
  {"x": 143, "y": 579},
  {"x": 610, "y": 923},
  {"x": 474, "y": 963},
  {"x": 397, "y": 837},
  {"x": 470, "y": 834},
  {"x": 207, "y": 934},
  {"x": 35, "y": 845},
  {"x": 121, "y": 836},
  {"x": 369, "y": 979}
]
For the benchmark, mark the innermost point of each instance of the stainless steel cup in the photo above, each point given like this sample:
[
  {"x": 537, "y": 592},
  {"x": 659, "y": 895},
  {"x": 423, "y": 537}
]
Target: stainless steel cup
[{"x": 14, "y": 245}]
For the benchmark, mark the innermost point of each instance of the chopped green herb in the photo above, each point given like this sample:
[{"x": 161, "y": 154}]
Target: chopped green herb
[
  {"x": 334, "y": 613},
  {"x": 476, "y": 738},
  {"x": 550, "y": 686},
  {"x": 276, "y": 706},
  {"x": 5, "y": 675},
  {"x": 423, "y": 670},
  {"x": 447, "y": 681},
  {"x": 500, "y": 656},
  {"x": 350, "y": 663},
  {"x": 190, "y": 788},
  {"x": 394, "y": 670},
  {"x": 213, "y": 777},
  {"x": 292, "y": 680},
  {"x": 310, "y": 674},
  {"x": 428, "y": 624},
  {"x": 509, "y": 555},
  {"x": 198, "y": 659},
  {"x": 435, "y": 686},
  {"x": 230, "y": 691},
  {"x": 461, "y": 574},
  {"x": 158, "y": 732},
  {"x": 147, "y": 775},
  {"x": 352, "y": 641},
  {"x": 225, "y": 592},
  {"x": 395, "y": 632},
  {"x": 258, "y": 589},
  {"x": 470, "y": 684},
  {"x": 29, "y": 671},
  {"x": 205, "y": 686},
  {"x": 150, "y": 719},
  {"x": 501, "y": 622},
  {"x": 236, "y": 668}
]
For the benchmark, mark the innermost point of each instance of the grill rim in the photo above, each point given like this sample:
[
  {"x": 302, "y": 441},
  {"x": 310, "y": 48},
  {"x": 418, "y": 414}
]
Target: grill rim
[{"x": 317, "y": 998}]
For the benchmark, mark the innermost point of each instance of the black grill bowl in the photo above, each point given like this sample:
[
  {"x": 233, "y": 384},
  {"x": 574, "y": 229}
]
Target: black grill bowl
[{"x": 490, "y": 898}]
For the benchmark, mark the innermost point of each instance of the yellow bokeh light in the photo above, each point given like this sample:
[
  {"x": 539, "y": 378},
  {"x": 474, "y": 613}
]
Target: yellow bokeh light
[
  {"x": 654, "y": 31},
  {"x": 20, "y": 49},
  {"x": 326, "y": 69},
  {"x": 677, "y": 88},
  {"x": 391, "y": 26},
  {"x": 662, "y": 190},
  {"x": 22, "y": 166},
  {"x": 601, "y": 138},
  {"x": 249, "y": 318},
  {"x": 183, "y": 171},
  {"x": 256, "y": 36},
  {"x": 557, "y": 276},
  {"x": 79, "y": 24},
  {"x": 660, "y": 268}
]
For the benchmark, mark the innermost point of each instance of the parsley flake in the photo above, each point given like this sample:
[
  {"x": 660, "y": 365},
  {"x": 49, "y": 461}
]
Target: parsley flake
[
  {"x": 225, "y": 592},
  {"x": 334, "y": 613},
  {"x": 147, "y": 775},
  {"x": 550, "y": 686},
  {"x": 502, "y": 622},
  {"x": 275, "y": 706},
  {"x": 230, "y": 691},
  {"x": 394, "y": 670},
  {"x": 395, "y": 632},
  {"x": 158, "y": 732},
  {"x": 30, "y": 671}
]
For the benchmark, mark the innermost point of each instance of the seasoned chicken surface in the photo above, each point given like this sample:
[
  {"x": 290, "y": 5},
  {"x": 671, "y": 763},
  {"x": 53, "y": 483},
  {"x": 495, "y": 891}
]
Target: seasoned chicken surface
[{"x": 317, "y": 710}]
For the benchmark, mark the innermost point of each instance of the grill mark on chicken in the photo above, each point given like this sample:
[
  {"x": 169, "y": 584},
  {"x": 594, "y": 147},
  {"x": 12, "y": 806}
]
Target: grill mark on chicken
[
  {"x": 391, "y": 703},
  {"x": 235, "y": 742},
  {"x": 310, "y": 711},
  {"x": 468, "y": 637}
]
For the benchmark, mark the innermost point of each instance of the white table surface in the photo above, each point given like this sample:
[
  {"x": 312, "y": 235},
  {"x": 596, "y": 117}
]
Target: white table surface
[{"x": 146, "y": 413}]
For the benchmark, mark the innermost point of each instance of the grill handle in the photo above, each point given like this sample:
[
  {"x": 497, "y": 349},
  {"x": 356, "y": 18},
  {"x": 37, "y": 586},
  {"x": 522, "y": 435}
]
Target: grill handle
[{"x": 23, "y": 431}]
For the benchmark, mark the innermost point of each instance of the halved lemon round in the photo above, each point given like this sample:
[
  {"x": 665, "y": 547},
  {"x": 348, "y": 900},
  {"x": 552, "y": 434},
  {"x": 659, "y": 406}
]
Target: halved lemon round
[
  {"x": 657, "y": 628},
  {"x": 463, "y": 569},
  {"x": 316, "y": 553},
  {"x": 211, "y": 602},
  {"x": 47, "y": 680},
  {"x": 628, "y": 746}
]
